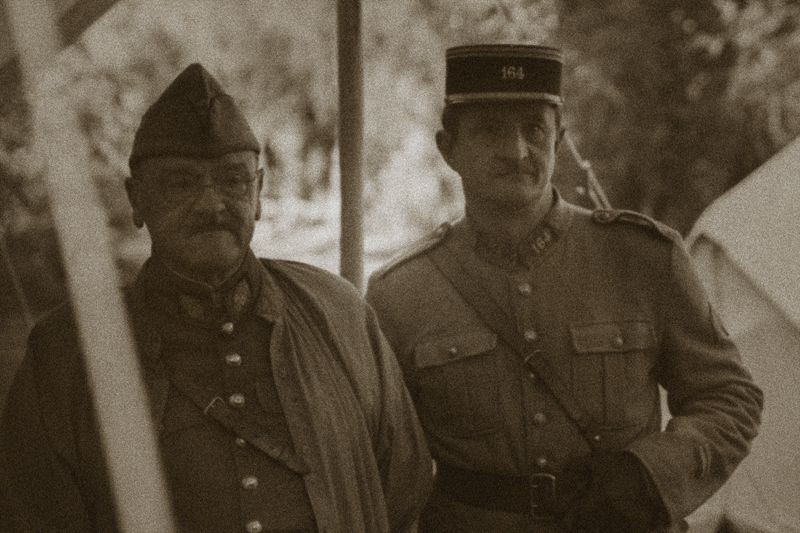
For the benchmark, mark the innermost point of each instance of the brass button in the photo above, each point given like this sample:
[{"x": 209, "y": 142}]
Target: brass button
[
  {"x": 233, "y": 359},
  {"x": 236, "y": 400},
  {"x": 253, "y": 526},
  {"x": 250, "y": 482},
  {"x": 542, "y": 463},
  {"x": 530, "y": 335},
  {"x": 525, "y": 289},
  {"x": 452, "y": 351},
  {"x": 539, "y": 419},
  {"x": 240, "y": 442},
  {"x": 596, "y": 438},
  {"x": 227, "y": 328},
  {"x": 618, "y": 342},
  {"x": 531, "y": 375}
]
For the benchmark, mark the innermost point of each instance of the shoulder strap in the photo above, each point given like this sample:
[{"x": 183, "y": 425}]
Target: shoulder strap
[
  {"x": 215, "y": 407},
  {"x": 413, "y": 250},
  {"x": 493, "y": 315}
]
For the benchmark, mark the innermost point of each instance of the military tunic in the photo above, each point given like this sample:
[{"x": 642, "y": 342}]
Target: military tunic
[
  {"x": 609, "y": 299},
  {"x": 340, "y": 406}
]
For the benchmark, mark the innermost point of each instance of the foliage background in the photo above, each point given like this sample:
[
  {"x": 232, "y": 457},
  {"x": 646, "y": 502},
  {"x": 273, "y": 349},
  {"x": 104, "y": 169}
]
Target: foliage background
[{"x": 672, "y": 101}]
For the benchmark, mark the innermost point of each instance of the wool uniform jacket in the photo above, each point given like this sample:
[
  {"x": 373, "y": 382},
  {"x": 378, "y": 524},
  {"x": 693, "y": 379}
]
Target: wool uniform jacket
[
  {"x": 612, "y": 304},
  {"x": 348, "y": 412}
]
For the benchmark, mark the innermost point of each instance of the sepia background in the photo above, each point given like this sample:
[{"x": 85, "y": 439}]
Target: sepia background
[{"x": 672, "y": 102}]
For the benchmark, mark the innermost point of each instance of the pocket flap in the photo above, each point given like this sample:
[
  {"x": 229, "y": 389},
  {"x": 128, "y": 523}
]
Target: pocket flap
[
  {"x": 613, "y": 336},
  {"x": 446, "y": 350}
]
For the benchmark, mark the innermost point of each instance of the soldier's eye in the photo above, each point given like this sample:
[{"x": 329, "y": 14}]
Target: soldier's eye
[
  {"x": 534, "y": 131},
  {"x": 234, "y": 182}
]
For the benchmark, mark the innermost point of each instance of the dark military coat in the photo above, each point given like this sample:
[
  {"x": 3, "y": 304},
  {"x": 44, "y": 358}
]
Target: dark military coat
[
  {"x": 342, "y": 408},
  {"x": 610, "y": 300}
]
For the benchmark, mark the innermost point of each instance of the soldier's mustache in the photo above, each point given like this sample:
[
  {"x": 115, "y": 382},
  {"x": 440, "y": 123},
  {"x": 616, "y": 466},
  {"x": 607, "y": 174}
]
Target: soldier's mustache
[
  {"x": 215, "y": 225},
  {"x": 517, "y": 169}
]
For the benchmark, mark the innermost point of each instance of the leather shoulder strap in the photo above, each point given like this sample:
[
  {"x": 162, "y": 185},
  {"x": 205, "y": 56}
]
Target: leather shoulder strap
[
  {"x": 215, "y": 407},
  {"x": 472, "y": 290}
]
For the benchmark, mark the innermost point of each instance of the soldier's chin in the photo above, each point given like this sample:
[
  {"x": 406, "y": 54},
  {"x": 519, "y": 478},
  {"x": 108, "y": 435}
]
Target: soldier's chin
[
  {"x": 515, "y": 197},
  {"x": 213, "y": 254}
]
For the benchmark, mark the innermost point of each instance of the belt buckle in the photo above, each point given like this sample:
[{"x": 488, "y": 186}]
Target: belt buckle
[{"x": 542, "y": 496}]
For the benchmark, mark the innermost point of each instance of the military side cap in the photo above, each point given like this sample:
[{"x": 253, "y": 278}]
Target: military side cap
[
  {"x": 193, "y": 117},
  {"x": 498, "y": 72}
]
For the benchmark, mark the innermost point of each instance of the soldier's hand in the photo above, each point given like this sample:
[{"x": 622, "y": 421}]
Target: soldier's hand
[{"x": 610, "y": 492}]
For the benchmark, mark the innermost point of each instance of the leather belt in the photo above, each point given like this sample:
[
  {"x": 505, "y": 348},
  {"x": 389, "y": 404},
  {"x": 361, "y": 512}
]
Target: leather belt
[{"x": 534, "y": 494}]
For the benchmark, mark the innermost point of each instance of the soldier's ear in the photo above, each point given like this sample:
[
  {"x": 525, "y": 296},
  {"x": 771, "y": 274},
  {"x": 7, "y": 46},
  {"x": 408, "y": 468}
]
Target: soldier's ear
[
  {"x": 445, "y": 142},
  {"x": 134, "y": 198}
]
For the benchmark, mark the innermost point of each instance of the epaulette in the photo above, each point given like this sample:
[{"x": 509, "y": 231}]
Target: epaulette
[
  {"x": 414, "y": 249},
  {"x": 608, "y": 216}
]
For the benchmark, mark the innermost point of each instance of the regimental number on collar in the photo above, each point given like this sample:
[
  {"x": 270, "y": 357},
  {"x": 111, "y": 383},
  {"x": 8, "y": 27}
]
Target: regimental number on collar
[{"x": 541, "y": 239}]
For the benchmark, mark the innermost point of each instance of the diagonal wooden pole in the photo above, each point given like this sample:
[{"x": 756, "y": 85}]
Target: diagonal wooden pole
[
  {"x": 593, "y": 187},
  {"x": 111, "y": 361}
]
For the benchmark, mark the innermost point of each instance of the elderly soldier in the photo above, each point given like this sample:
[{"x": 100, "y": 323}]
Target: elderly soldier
[
  {"x": 278, "y": 402},
  {"x": 533, "y": 334}
]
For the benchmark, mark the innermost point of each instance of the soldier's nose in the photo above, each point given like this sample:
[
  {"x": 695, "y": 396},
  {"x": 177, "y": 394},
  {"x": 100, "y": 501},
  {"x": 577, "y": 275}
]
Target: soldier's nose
[
  {"x": 209, "y": 200},
  {"x": 514, "y": 145}
]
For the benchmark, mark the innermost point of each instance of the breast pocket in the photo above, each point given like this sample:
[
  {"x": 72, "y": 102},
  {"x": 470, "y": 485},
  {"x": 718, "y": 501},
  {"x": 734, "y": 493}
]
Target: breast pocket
[
  {"x": 458, "y": 383},
  {"x": 612, "y": 371}
]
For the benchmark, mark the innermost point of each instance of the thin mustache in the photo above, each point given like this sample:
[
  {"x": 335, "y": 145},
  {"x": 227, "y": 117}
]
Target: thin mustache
[{"x": 515, "y": 167}]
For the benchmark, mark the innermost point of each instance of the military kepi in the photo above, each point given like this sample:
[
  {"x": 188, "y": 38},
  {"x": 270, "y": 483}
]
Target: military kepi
[
  {"x": 193, "y": 117},
  {"x": 498, "y": 72}
]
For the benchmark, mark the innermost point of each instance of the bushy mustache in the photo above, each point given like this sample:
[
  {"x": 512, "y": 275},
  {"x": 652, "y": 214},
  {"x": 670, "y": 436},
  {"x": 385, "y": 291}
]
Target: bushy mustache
[{"x": 220, "y": 224}]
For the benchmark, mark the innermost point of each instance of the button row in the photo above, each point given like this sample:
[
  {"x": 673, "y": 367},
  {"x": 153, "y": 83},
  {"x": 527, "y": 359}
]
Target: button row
[{"x": 236, "y": 400}]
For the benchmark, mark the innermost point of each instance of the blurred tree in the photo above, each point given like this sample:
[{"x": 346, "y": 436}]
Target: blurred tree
[
  {"x": 672, "y": 101},
  {"x": 676, "y": 101}
]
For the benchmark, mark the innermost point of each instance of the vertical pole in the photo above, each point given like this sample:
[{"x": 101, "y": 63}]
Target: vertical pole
[
  {"x": 351, "y": 107},
  {"x": 111, "y": 361}
]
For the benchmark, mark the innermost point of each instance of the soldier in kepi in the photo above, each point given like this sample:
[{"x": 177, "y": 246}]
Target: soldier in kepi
[
  {"x": 533, "y": 334},
  {"x": 278, "y": 403}
]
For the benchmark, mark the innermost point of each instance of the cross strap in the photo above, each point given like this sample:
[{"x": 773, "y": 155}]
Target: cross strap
[
  {"x": 450, "y": 262},
  {"x": 215, "y": 407}
]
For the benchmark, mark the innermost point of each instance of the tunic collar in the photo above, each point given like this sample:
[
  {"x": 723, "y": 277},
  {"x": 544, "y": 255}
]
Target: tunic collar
[
  {"x": 167, "y": 291},
  {"x": 525, "y": 254}
]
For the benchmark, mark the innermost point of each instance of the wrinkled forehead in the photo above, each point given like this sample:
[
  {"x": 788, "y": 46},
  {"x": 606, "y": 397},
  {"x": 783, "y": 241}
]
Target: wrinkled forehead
[{"x": 244, "y": 160}]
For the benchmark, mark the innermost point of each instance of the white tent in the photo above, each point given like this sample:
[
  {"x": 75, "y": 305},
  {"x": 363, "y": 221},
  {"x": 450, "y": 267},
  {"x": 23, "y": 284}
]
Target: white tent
[{"x": 746, "y": 248}]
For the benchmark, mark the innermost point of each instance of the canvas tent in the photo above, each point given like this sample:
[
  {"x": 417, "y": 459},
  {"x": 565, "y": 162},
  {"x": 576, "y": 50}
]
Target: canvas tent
[{"x": 746, "y": 248}]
